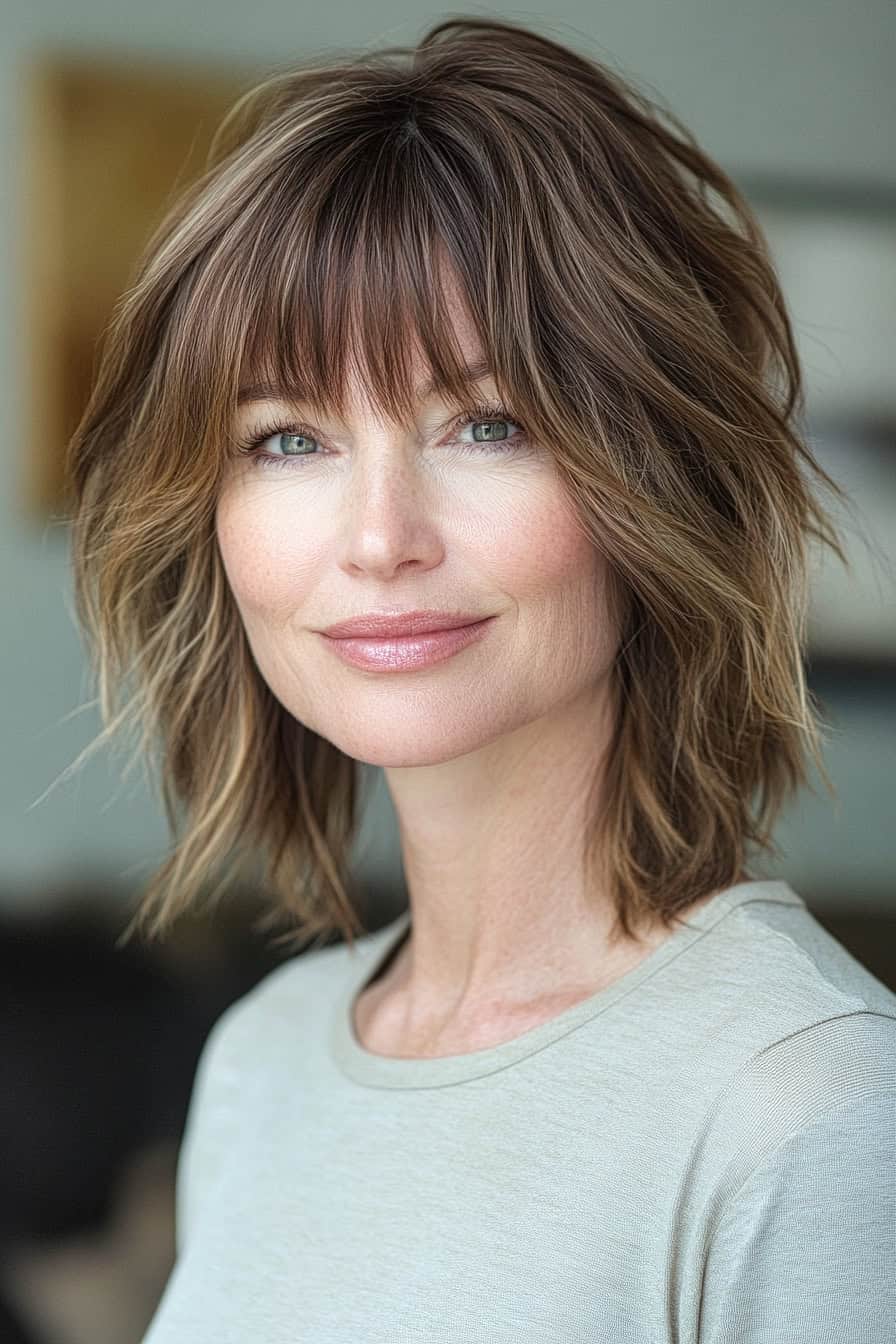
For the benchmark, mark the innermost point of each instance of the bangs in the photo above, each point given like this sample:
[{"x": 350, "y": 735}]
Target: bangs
[{"x": 346, "y": 268}]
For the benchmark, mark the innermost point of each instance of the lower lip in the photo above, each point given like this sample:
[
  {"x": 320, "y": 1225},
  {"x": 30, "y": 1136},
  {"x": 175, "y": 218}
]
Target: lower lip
[{"x": 406, "y": 652}]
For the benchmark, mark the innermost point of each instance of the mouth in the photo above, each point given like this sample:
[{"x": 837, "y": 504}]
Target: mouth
[
  {"x": 407, "y": 652},
  {"x": 386, "y": 625}
]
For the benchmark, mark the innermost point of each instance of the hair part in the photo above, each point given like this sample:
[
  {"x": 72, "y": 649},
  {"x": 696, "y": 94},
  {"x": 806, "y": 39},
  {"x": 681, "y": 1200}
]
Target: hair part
[{"x": 637, "y": 325}]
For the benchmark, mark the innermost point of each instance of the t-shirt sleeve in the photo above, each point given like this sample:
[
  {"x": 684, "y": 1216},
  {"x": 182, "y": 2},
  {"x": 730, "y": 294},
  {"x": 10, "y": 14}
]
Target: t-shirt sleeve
[
  {"x": 805, "y": 1250},
  {"x": 210, "y": 1117}
]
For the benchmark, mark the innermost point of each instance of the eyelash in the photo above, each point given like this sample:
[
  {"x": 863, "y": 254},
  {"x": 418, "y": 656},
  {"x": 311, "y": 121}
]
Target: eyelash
[{"x": 491, "y": 410}]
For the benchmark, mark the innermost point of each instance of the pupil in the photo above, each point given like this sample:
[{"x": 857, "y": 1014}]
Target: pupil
[
  {"x": 286, "y": 439},
  {"x": 486, "y": 430}
]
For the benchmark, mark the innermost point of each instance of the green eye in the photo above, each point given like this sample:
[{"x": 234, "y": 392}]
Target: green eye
[
  {"x": 490, "y": 421},
  {"x": 307, "y": 437},
  {"x": 485, "y": 432}
]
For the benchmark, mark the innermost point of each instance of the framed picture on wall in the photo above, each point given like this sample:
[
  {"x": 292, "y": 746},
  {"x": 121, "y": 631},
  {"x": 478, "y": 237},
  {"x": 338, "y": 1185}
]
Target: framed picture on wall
[{"x": 110, "y": 142}]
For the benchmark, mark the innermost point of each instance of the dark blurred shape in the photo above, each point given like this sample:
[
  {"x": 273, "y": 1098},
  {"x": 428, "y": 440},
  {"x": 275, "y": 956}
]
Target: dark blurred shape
[
  {"x": 98, "y": 1049},
  {"x": 12, "y": 1329},
  {"x": 870, "y": 935}
]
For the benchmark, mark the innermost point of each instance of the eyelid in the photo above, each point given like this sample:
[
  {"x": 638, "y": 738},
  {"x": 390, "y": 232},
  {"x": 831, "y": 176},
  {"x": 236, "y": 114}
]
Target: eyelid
[{"x": 266, "y": 427}]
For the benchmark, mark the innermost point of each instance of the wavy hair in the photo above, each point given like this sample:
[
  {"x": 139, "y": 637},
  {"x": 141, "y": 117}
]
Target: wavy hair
[{"x": 627, "y": 301}]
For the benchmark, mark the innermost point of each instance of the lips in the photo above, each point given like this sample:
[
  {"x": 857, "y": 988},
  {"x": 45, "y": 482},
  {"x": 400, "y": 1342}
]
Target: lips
[
  {"x": 407, "y": 653},
  {"x": 385, "y": 625}
]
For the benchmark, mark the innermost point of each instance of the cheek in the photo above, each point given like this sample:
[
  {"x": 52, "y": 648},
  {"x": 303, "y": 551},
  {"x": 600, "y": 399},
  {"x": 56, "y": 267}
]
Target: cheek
[
  {"x": 560, "y": 583},
  {"x": 542, "y": 552},
  {"x": 268, "y": 557}
]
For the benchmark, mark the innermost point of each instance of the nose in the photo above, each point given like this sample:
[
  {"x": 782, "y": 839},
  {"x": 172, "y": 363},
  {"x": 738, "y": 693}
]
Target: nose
[{"x": 388, "y": 515}]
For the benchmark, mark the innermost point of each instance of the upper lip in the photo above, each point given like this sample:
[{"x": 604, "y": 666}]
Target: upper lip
[{"x": 382, "y": 625}]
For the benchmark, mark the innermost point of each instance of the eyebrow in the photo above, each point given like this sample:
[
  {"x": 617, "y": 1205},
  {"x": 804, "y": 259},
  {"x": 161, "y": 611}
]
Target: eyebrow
[{"x": 472, "y": 373}]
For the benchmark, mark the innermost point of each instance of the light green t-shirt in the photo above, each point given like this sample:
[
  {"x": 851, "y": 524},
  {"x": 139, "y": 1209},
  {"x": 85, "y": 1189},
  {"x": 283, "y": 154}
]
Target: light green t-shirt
[{"x": 703, "y": 1152}]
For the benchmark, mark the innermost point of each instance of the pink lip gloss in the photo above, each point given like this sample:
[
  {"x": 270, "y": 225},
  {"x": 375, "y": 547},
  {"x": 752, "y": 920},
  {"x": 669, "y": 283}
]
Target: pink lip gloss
[{"x": 406, "y": 652}]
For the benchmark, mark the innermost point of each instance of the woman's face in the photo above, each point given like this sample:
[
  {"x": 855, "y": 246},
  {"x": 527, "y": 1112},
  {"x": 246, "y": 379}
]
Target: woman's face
[{"x": 374, "y": 517}]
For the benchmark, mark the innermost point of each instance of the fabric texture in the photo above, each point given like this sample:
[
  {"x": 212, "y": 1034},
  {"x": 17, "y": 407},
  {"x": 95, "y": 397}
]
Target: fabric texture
[{"x": 703, "y": 1152}]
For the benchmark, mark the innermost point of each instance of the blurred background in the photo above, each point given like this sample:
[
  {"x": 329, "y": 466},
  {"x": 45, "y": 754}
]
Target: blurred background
[{"x": 104, "y": 111}]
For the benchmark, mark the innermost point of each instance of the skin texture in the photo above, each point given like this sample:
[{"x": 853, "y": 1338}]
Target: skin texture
[{"x": 488, "y": 756}]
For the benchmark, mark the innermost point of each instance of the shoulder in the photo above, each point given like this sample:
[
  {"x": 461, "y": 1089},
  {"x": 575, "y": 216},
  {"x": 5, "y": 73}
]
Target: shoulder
[
  {"x": 801, "y": 1247},
  {"x": 789, "y": 1029},
  {"x": 833, "y": 1022},
  {"x": 287, "y": 1001},
  {"x": 768, "y": 949},
  {"x": 245, "y": 1047},
  {"x": 284, "y": 996},
  {"x": 772, "y": 995},
  {"x": 236, "y": 1045},
  {"x": 794, "y": 949},
  {"x": 808, "y": 1028},
  {"x": 791, "y": 1175},
  {"x": 786, "y": 1087}
]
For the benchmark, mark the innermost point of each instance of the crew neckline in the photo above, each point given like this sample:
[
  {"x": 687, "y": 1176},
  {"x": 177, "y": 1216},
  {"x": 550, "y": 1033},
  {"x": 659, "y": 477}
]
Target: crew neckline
[{"x": 392, "y": 1071}]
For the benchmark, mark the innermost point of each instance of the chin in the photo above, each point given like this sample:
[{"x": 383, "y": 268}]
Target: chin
[{"x": 413, "y": 747}]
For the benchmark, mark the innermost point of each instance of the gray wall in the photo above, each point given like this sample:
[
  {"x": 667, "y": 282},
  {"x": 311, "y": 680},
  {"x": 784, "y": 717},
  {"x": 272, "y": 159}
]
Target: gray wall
[{"x": 803, "y": 88}]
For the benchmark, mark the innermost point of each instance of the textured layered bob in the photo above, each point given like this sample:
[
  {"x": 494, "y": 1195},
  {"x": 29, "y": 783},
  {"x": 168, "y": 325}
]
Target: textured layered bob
[{"x": 625, "y": 297}]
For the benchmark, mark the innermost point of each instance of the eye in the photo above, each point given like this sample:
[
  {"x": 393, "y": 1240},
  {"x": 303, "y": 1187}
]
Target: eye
[
  {"x": 293, "y": 442},
  {"x": 488, "y": 420},
  {"x": 492, "y": 425},
  {"x": 279, "y": 430}
]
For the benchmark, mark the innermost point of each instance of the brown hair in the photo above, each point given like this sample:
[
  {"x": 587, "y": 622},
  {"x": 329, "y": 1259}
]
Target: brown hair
[{"x": 635, "y": 322}]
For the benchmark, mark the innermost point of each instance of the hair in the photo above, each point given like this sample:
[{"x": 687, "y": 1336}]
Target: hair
[{"x": 636, "y": 322}]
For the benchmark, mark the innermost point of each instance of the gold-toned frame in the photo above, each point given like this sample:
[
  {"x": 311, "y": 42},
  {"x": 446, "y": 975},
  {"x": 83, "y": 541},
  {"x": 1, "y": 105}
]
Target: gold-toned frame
[{"x": 110, "y": 142}]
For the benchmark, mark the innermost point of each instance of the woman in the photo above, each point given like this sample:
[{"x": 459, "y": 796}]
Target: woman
[{"x": 463, "y": 333}]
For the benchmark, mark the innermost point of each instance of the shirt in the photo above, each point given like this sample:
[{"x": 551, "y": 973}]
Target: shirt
[{"x": 703, "y": 1152}]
